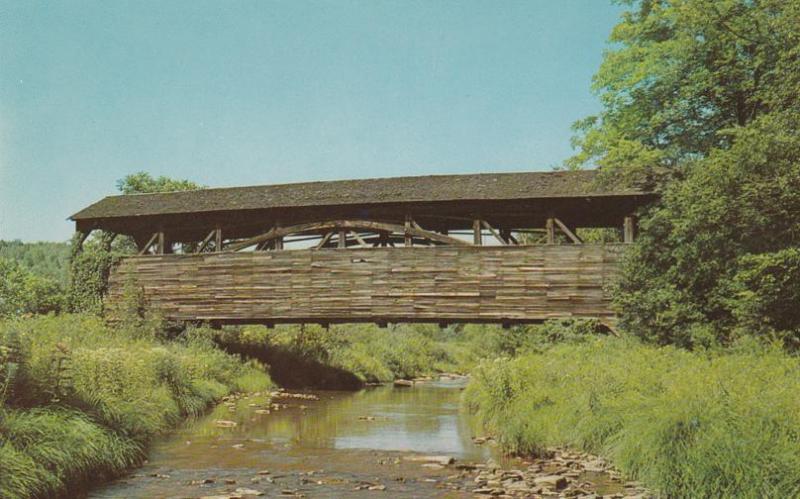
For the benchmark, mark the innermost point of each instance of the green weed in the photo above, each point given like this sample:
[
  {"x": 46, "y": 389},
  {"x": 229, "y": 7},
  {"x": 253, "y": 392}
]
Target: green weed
[{"x": 687, "y": 424}]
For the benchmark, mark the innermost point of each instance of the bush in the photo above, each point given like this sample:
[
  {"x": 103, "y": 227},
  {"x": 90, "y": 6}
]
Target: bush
[
  {"x": 682, "y": 270},
  {"x": 767, "y": 295},
  {"x": 23, "y": 292},
  {"x": 686, "y": 424}
]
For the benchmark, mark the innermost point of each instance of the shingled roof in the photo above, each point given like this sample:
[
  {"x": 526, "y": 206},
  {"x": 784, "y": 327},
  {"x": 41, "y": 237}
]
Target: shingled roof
[{"x": 433, "y": 188}]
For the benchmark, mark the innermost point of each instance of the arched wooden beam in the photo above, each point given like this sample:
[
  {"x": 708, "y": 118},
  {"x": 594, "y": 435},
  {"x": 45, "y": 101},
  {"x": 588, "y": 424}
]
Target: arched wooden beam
[{"x": 345, "y": 224}]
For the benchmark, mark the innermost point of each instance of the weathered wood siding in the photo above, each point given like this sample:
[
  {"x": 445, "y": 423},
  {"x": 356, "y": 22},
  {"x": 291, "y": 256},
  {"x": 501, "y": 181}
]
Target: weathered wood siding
[{"x": 436, "y": 284}]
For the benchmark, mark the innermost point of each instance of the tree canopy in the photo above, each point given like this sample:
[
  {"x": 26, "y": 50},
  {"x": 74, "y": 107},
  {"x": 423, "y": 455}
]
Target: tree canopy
[
  {"x": 143, "y": 182},
  {"x": 700, "y": 97},
  {"x": 680, "y": 74}
]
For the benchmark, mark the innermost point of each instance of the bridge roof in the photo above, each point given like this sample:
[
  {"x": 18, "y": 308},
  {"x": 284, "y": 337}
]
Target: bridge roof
[{"x": 377, "y": 191}]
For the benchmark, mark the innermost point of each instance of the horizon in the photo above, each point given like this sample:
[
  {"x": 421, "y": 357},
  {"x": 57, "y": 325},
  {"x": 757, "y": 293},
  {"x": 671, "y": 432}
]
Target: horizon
[{"x": 243, "y": 94}]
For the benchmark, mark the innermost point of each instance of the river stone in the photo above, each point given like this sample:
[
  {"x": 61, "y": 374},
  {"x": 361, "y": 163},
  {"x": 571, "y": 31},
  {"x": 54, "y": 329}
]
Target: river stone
[
  {"x": 553, "y": 481},
  {"x": 596, "y": 466},
  {"x": 248, "y": 492},
  {"x": 442, "y": 460},
  {"x": 403, "y": 382}
]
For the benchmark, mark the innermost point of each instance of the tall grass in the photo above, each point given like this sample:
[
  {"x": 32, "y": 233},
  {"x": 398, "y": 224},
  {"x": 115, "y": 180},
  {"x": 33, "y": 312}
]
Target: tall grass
[
  {"x": 81, "y": 400},
  {"x": 362, "y": 352},
  {"x": 369, "y": 353},
  {"x": 687, "y": 424}
]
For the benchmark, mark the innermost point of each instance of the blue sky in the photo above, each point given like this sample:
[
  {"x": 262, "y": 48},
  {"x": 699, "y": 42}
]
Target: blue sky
[{"x": 237, "y": 93}]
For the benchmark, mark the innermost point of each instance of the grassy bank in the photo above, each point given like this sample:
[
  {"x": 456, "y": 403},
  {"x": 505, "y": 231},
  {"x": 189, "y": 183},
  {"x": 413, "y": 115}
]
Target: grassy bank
[
  {"x": 80, "y": 400},
  {"x": 343, "y": 356},
  {"x": 348, "y": 355},
  {"x": 687, "y": 424}
]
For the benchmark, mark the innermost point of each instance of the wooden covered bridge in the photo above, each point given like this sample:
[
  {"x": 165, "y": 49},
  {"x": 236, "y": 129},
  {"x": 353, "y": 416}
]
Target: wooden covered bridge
[{"x": 500, "y": 248}]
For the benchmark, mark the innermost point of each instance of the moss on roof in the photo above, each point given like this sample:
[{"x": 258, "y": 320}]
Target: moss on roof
[{"x": 484, "y": 186}]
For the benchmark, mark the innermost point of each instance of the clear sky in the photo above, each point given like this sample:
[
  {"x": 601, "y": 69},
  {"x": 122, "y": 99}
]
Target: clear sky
[{"x": 254, "y": 92}]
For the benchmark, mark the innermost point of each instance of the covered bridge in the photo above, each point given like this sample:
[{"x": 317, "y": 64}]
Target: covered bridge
[{"x": 450, "y": 248}]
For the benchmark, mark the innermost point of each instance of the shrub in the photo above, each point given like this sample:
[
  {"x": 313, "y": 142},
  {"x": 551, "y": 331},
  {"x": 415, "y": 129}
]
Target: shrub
[
  {"x": 767, "y": 294},
  {"x": 736, "y": 202},
  {"x": 23, "y": 292}
]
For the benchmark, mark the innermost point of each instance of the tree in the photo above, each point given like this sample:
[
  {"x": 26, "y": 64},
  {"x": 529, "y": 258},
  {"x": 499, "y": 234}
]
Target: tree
[
  {"x": 700, "y": 100},
  {"x": 143, "y": 182},
  {"x": 686, "y": 269},
  {"x": 682, "y": 72}
]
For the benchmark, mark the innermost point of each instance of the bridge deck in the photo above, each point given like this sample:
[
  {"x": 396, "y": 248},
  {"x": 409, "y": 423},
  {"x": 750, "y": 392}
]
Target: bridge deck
[{"x": 503, "y": 284}]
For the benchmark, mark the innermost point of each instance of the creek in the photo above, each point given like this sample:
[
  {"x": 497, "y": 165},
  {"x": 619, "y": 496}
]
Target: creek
[{"x": 380, "y": 441}]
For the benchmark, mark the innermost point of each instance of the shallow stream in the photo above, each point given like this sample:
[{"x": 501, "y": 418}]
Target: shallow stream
[{"x": 373, "y": 442}]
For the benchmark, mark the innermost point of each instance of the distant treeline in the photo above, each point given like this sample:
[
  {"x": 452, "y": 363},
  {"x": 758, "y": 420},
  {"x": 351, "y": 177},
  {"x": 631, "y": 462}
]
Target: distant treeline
[{"x": 45, "y": 259}]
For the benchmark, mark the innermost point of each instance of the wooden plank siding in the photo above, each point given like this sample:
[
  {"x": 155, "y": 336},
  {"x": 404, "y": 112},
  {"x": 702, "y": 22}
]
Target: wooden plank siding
[{"x": 503, "y": 284}]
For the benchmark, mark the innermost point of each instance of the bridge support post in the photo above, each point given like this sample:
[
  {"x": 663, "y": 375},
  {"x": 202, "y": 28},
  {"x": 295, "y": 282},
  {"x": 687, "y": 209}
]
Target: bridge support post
[
  {"x": 551, "y": 231},
  {"x": 477, "y": 232},
  {"x": 160, "y": 243},
  {"x": 629, "y": 229},
  {"x": 80, "y": 238}
]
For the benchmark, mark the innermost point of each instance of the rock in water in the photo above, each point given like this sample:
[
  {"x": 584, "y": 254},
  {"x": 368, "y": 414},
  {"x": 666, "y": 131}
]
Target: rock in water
[
  {"x": 222, "y": 423},
  {"x": 553, "y": 481},
  {"x": 442, "y": 460},
  {"x": 249, "y": 492}
]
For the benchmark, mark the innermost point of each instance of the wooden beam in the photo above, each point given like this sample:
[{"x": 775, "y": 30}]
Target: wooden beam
[
  {"x": 324, "y": 240},
  {"x": 218, "y": 239},
  {"x": 367, "y": 225},
  {"x": 205, "y": 242},
  {"x": 278, "y": 245},
  {"x": 629, "y": 229},
  {"x": 342, "y": 241},
  {"x": 493, "y": 232},
  {"x": 81, "y": 235},
  {"x": 149, "y": 243},
  {"x": 569, "y": 233},
  {"x": 408, "y": 238},
  {"x": 477, "y": 235},
  {"x": 160, "y": 250},
  {"x": 359, "y": 239},
  {"x": 508, "y": 237},
  {"x": 551, "y": 231}
]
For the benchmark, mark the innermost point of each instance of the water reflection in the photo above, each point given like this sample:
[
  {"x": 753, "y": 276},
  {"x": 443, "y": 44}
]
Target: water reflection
[{"x": 345, "y": 433}]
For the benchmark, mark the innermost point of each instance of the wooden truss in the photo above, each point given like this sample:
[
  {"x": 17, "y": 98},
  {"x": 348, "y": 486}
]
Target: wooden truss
[{"x": 370, "y": 233}]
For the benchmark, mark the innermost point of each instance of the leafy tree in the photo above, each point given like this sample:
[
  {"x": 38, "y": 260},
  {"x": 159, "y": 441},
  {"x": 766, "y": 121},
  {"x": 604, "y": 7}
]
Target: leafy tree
[
  {"x": 700, "y": 100},
  {"x": 23, "y": 292},
  {"x": 681, "y": 72},
  {"x": 738, "y": 202},
  {"x": 143, "y": 182},
  {"x": 45, "y": 259}
]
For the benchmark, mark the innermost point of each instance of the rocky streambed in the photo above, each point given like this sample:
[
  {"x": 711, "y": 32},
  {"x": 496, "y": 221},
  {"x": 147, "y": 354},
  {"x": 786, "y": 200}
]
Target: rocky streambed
[{"x": 410, "y": 440}]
